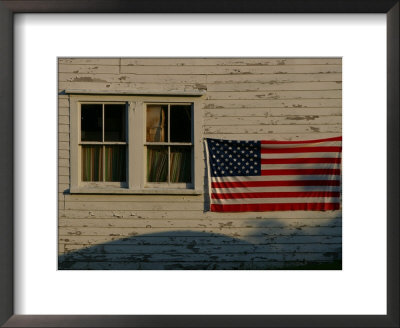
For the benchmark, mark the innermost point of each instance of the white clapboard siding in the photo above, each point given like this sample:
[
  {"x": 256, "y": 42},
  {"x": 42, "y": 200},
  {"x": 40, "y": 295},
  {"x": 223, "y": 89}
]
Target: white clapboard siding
[
  {"x": 293, "y": 112},
  {"x": 256, "y": 88},
  {"x": 263, "y": 103},
  {"x": 204, "y": 249},
  {"x": 203, "y": 80},
  {"x": 245, "y": 98},
  {"x": 288, "y": 120},
  {"x": 237, "y": 257},
  {"x": 224, "y": 61},
  {"x": 211, "y": 265},
  {"x": 247, "y": 95},
  {"x": 133, "y": 78},
  {"x": 228, "y": 231},
  {"x": 271, "y": 129},
  {"x": 274, "y": 78},
  {"x": 274, "y": 86},
  {"x": 197, "y": 223},
  {"x": 224, "y": 70},
  {"x": 198, "y": 240},
  {"x": 134, "y": 87},
  {"x": 191, "y": 214},
  {"x": 63, "y": 136},
  {"x": 307, "y": 134}
]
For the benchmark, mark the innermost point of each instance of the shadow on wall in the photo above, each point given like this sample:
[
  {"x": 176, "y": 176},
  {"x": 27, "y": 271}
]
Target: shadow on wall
[{"x": 192, "y": 250}]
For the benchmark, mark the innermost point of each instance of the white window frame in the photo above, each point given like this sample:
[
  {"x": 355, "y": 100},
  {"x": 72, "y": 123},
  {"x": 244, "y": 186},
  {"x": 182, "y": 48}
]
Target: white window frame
[
  {"x": 100, "y": 184},
  {"x": 169, "y": 185},
  {"x": 136, "y": 146}
]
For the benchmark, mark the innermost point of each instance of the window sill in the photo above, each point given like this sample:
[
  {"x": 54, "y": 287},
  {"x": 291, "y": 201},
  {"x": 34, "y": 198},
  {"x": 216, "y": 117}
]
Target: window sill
[{"x": 125, "y": 191}]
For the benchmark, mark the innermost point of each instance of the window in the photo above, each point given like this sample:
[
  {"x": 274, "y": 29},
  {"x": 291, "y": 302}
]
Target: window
[
  {"x": 103, "y": 142},
  {"x": 135, "y": 144},
  {"x": 169, "y": 143}
]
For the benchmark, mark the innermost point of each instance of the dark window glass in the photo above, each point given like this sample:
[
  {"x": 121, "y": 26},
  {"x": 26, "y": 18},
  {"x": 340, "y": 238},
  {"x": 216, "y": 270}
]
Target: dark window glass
[
  {"x": 180, "y": 164},
  {"x": 114, "y": 122},
  {"x": 180, "y": 123},
  {"x": 157, "y": 123},
  {"x": 157, "y": 164},
  {"x": 91, "y": 122}
]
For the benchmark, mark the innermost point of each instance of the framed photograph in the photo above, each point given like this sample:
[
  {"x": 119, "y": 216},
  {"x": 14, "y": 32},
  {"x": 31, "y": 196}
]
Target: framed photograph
[{"x": 147, "y": 191}]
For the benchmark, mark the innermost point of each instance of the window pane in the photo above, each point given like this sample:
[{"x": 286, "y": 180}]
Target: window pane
[
  {"x": 115, "y": 163},
  {"x": 157, "y": 123},
  {"x": 91, "y": 122},
  {"x": 157, "y": 164},
  {"x": 180, "y": 170},
  {"x": 92, "y": 163},
  {"x": 180, "y": 123},
  {"x": 114, "y": 122}
]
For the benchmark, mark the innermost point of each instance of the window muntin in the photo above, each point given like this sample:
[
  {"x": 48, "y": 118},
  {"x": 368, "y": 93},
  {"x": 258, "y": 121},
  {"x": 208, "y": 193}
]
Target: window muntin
[
  {"x": 102, "y": 142},
  {"x": 169, "y": 145}
]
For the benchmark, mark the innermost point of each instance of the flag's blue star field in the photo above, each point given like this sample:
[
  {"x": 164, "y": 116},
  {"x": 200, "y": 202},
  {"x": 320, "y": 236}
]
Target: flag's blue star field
[{"x": 234, "y": 158}]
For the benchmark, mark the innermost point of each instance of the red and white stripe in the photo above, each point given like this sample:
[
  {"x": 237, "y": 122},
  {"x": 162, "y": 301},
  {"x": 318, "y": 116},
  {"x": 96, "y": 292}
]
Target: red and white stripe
[{"x": 295, "y": 175}]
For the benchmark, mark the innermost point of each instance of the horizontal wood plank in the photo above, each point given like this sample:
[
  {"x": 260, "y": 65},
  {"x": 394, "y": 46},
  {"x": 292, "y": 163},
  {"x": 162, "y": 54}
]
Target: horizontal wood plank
[
  {"x": 232, "y": 232},
  {"x": 250, "y": 95},
  {"x": 229, "y": 61},
  {"x": 89, "y": 61},
  {"x": 200, "y": 265},
  {"x": 272, "y": 112},
  {"x": 63, "y": 104},
  {"x": 239, "y": 257},
  {"x": 62, "y": 162},
  {"x": 274, "y": 78},
  {"x": 265, "y": 131},
  {"x": 273, "y": 135},
  {"x": 197, "y": 223},
  {"x": 225, "y": 70},
  {"x": 86, "y": 69},
  {"x": 132, "y": 78},
  {"x": 263, "y": 103},
  {"x": 63, "y": 119},
  {"x": 191, "y": 248},
  {"x": 189, "y": 214},
  {"x": 274, "y": 86},
  {"x": 288, "y": 120},
  {"x": 200, "y": 79},
  {"x": 199, "y": 239}
]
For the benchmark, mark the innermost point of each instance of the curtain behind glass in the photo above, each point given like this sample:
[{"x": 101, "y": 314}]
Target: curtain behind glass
[
  {"x": 180, "y": 169},
  {"x": 92, "y": 163},
  {"x": 115, "y": 163},
  {"x": 157, "y": 164}
]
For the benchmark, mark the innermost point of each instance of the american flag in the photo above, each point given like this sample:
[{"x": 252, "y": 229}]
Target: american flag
[{"x": 266, "y": 175}]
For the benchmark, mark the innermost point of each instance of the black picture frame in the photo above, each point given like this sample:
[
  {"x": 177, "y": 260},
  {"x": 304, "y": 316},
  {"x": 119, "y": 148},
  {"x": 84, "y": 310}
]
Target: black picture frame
[{"x": 7, "y": 10}]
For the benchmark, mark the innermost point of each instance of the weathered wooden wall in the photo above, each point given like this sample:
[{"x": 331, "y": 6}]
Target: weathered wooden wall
[{"x": 281, "y": 99}]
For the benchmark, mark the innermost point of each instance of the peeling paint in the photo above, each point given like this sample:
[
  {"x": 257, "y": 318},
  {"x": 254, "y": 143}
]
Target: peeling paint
[
  {"x": 87, "y": 79},
  {"x": 200, "y": 86},
  {"x": 305, "y": 117}
]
